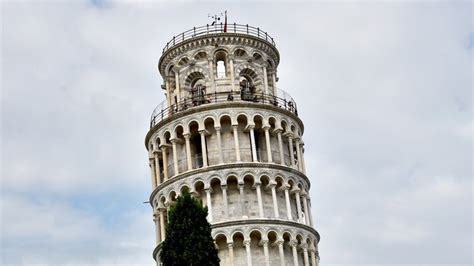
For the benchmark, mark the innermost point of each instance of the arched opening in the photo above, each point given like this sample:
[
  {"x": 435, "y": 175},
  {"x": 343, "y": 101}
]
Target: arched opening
[
  {"x": 212, "y": 148},
  {"x": 250, "y": 197},
  {"x": 183, "y": 61},
  {"x": 281, "y": 197},
  {"x": 228, "y": 147},
  {"x": 217, "y": 200},
  {"x": 240, "y": 53},
  {"x": 233, "y": 197},
  {"x": 273, "y": 252},
  {"x": 267, "y": 199},
  {"x": 247, "y": 78},
  {"x": 274, "y": 140},
  {"x": 221, "y": 64},
  {"x": 199, "y": 192},
  {"x": 286, "y": 148},
  {"x": 287, "y": 249},
  {"x": 196, "y": 84},
  {"x": 260, "y": 144},
  {"x": 200, "y": 56},
  {"x": 196, "y": 147},
  {"x": 223, "y": 251},
  {"x": 255, "y": 244},
  {"x": 180, "y": 149},
  {"x": 240, "y": 255},
  {"x": 168, "y": 152},
  {"x": 244, "y": 139}
]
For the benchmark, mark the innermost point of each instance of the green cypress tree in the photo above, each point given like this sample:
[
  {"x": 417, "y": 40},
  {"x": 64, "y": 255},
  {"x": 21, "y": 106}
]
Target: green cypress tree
[{"x": 188, "y": 235}]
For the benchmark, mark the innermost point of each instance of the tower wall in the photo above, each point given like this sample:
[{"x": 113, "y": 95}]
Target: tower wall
[{"x": 228, "y": 134}]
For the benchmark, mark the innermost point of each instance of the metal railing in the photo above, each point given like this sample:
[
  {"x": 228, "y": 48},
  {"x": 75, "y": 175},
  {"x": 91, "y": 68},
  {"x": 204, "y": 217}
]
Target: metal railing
[
  {"x": 283, "y": 100},
  {"x": 218, "y": 28}
]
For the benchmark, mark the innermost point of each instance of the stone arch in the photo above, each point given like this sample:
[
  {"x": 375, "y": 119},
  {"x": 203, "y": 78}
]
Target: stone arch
[
  {"x": 200, "y": 55},
  {"x": 170, "y": 69},
  {"x": 240, "y": 51},
  {"x": 193, "y": 75},
  {"x": 183, "y": 60},
  {"x": 231, "y": 117}
]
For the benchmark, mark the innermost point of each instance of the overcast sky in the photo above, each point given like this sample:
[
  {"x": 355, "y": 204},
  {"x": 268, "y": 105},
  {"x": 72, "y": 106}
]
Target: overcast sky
[{"x": 384, "y": 90}]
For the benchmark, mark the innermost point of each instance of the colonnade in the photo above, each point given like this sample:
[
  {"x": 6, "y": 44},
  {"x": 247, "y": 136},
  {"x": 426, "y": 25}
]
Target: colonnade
[
  {"x": 296, "y": 161},
  {"x": 303, "y": 210}
]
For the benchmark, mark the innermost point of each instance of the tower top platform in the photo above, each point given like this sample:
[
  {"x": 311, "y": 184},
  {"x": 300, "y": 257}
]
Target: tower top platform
[{"x": 218, "y": 28}]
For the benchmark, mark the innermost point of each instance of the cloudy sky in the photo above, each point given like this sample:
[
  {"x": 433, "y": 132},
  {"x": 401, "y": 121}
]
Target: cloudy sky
[{"x": 384, "y": 89}]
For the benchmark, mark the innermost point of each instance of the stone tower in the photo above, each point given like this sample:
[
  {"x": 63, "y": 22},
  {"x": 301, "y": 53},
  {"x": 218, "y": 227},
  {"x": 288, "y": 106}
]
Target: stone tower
[{"x": 233, "y": 138}]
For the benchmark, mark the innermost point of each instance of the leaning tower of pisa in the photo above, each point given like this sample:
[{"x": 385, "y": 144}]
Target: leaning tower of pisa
[{"x": 230, "y": 135}]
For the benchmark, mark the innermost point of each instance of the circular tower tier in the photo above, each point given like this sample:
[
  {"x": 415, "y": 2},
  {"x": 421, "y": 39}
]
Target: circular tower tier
[{"x": 226, "y": 133}]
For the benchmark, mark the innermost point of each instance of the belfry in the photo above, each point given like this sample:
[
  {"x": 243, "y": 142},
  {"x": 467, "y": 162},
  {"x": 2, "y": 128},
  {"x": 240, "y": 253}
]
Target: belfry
[{"x": 228, "y": 134}]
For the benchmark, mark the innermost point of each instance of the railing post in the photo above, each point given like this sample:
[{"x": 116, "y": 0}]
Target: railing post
[
  {"x": 183, "y": 36},
  {"x": 258, "y": 32},
  {"x": 221, "y": 28},
  {"x": 194, "y": 32},
  {"x": 247, "y": 28},
  {"x": 215, "y": 97},
  {"x": 234, "y": 27},
  {"x": 266, "y": 36},
  {"x": 207, "y": 29},
  {"x": 174, "y": 40}
]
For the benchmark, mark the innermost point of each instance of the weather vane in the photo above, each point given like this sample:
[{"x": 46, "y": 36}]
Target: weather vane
[{"x": 216, "y": 18}]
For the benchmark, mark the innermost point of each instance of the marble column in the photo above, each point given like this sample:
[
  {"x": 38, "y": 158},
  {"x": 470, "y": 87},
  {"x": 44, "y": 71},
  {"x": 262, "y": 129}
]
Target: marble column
[
  {"x": 290, "y": 147},
  {"x": 268, "y": 144},
  {"x": 236, "y": 141},
  {"x": 157, "y": 167},
  {"x": 203, "y": 147},
  {"x": 162, "y": 223},
  {"x": 281, "y": 251},
  {"x": 313, "y": 256},
  {"x": 219, "y": 144},
  {"x": 272, "y": 186},
  {"x": 226, "y": 206},
  {"x": 165, "y": 162},
  {"x": 304, "y": 246},
  {"x": 156, "y": 220},
  {"x": 175, "y": 156},
  {"x": 252, "y": 143},
  {"x": 189, "y": 159},
  {"x": 280, "y": 146},
  {"x": 151, "y": 163},
  {"x": 230, "y": 246},
  {"x": 178, "y": 93},
  {"x": 242, "y": 201},
  {"x": 231, "y": 66},
  {"x": 293, "y": 244},
  {"x": 303, "y": 165},
  {"x": 209, "y": 203},
  {"x": 211, "y": 72},
  {"x": 265, "y": 79},
  {"x": 264, "y": 243},
  {"x": 296, "y": 191},
  {"x": 298, "y": 155},
  {"x": 248, "y": 252},
  {"x": 305, "y": 205},
  {"x": 259, "y": 198},
  {"x": 285, "y": 188}
]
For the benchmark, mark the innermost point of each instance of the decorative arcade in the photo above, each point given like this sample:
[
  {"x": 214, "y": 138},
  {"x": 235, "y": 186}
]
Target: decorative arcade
[{"x": 228, "y": 134}]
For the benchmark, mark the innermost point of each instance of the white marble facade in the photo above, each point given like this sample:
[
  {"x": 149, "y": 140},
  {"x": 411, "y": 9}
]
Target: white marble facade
[{"x": 230, "y": 136}]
